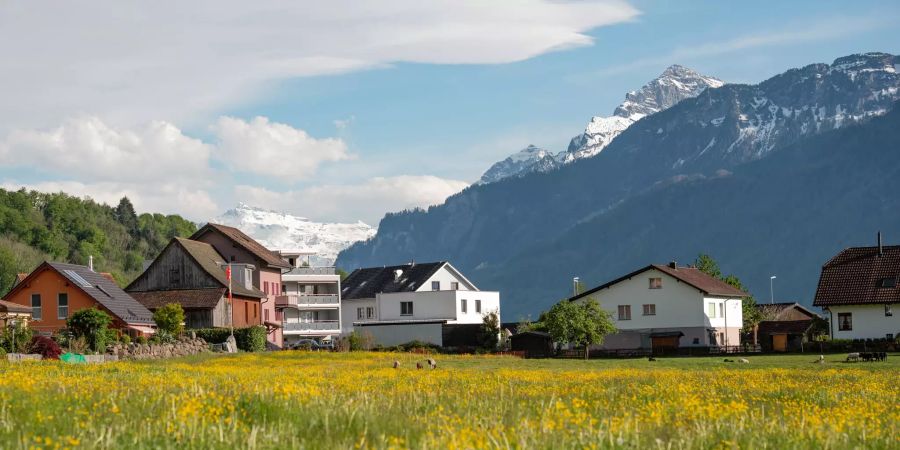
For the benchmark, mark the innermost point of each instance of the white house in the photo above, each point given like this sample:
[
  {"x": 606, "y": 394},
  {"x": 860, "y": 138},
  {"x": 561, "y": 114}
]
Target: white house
[
  {"x": 669, "y": 306},
  {"x": 429, "y": 302},
  {"x": 310, "y": 302},
  {"x": 860, "y": 291}
]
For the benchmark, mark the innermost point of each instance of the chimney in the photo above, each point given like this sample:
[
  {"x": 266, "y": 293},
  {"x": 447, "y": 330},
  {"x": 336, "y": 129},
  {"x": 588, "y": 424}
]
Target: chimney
[
  {"x": 91, "y": 257},
  {"x": 880, "y": 249},
  {"x": 673, "y": 265}
]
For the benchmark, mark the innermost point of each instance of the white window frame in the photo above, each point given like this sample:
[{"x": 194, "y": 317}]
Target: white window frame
[
  {"x": 435, "y": 285},
  {"x": 370, "y": 312},
  {"x": 454, "y": 285},
  {"x": 360, "y": 313},
  {"x": 888, "y": 310},
  {"x": 408, "y": 306},
  {"x": 39, "y": 309},
  {"x": 463, "y": 306},
  {"x": 478, "y": 306},
  {"x": 849, "y": 316},
  {"x": 62, "y": 311},
  {"x": 711, "y": 310}
]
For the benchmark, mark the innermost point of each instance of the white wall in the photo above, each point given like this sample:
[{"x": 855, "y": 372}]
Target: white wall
[
  {"x": 389, "y": 335},
  {"x": 445, "y": 276},
  {"x": 490, "y": 302},
  {"x": 733, "y": 312},
  {"x": 348, "y": 312},
  {"x": 677, "y": 304},
  {"x": 869, "y": 321}
]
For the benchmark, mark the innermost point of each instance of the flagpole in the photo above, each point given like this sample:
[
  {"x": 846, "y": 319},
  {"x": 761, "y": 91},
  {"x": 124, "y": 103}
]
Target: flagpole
[{"x": 230, "y": 303}]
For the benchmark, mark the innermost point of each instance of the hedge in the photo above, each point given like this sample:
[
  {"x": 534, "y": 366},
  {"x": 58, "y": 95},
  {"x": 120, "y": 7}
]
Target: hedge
[{"x": 250, "y": 339}]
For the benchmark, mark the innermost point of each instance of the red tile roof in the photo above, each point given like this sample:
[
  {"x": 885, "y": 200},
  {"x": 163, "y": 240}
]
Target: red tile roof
[
  {"x": 689, "y": 275},
  {"x": 855, "y": 276},
  {"x": 240, "y": 238},
  {"x": 10, "y": 307}
]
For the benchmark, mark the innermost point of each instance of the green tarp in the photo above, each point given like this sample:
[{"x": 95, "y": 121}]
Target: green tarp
[{"x": 72, "y": 358}]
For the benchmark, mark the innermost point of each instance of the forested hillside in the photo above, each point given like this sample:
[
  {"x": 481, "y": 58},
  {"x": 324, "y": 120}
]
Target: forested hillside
[{"x": 36, "y": 226}]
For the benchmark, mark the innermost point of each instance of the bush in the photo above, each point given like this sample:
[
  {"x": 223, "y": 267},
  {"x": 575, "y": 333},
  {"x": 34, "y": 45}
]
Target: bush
[
  {"x": 162, "y": 337},
  {"x": 250, "y": 339},
  {"x": 170, "y": 318},
  {"x": 125, "y": 339},
  {"x": 140, "y": 340},
  {"x": 46, "y": 347},
  {"x": 91, "y": 324},
  {"x": 16, "y": 339}
]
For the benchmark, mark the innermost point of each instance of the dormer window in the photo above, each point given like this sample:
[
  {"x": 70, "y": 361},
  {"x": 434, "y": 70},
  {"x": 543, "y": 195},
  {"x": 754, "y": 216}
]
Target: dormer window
[{"x": 887, "y": 283}]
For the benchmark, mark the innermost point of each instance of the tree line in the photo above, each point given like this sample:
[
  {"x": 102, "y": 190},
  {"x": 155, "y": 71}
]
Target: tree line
[{"x": 37, "y": 226}]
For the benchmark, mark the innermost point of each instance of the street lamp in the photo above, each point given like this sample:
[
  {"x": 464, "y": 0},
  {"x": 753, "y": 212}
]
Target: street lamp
[
  {"x": 772, "y": 289},
  {"x": 575, "y": 285}
]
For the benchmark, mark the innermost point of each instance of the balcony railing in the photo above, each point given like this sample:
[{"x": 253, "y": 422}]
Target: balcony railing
[
  {"x": 319, "y": 325},
  {"x": 312, "y": 271},
  {"x": 308, "y": 300}
]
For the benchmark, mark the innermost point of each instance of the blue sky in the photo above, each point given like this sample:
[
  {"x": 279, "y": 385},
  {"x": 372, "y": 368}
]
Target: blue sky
[{"x": 348, "y": 112}]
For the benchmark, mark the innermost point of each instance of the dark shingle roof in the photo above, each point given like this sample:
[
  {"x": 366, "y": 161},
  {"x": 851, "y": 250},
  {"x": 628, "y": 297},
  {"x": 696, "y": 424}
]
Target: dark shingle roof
[
  {"x": 240, "y": 238},
  {"x": 786, "y": 326},
  {"x": 187, "y": 298},
  {"x": 365, "y": 283},
  {"x": 779, "y": 310},
  {"x": 854, "y": 276},
  {"x": 105, "y": 292},
  {"x": 689, "y": 275},
  {"x": 212, "y": 262},
  {"x": 10, "y": 307}
]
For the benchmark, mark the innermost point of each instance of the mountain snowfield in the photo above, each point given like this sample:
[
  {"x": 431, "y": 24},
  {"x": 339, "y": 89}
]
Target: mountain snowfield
[
  {"x": 282, "y": 231},
  {"x": 675, "y": 84}
]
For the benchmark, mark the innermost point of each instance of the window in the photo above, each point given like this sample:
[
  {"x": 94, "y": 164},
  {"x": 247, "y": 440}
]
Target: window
[
  {"x": 175, "y": 275},
  {"x": 246, "y": 312},
  {"x": 284, "y": 289},
  {"x": 62, "y": 306},
  {"x": 463, "y": 307},
  {"x": 435, "y": 285},
  {"x": 454, "y": 285},
  {"x": 887, "y": 282},
  {"x": 255, "y": 311},
  {"x": 370, "y": 312},
  {"x": 888, "y": 310},
  {"x": 650, "y": 310},
  {"x": 266, "y": 287},
  {"x": 711, "y": 310},
  {"x": 36, "y": 306},
  {"x": 266, "y": 314},
  {"x": 406, "y": 309},
  {"x": 656, "y": 283},
  {"x": 696, "y": 341},
  {"x": 721, "y": 310},
  {"x": 624, "y": 312},
  {"x": 360, "y": 313},
  {"x": 478, "y": 306},
  {"x": 845, "y": 321}
]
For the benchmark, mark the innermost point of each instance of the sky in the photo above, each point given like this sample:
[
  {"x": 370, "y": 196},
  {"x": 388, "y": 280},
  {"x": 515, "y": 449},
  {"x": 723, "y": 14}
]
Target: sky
[{"x": 346, "y": 110}]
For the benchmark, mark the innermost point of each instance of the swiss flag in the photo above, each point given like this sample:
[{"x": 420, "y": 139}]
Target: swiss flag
[{"x": 228, "y": 272}]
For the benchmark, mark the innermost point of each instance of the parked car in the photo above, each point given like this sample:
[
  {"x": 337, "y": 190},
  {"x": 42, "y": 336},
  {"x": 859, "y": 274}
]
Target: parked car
[{"x": 311, "y": 344}]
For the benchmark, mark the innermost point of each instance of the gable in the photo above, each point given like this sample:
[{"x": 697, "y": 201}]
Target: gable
[
  {"x": 174, "y": 268},
  {"x": 446, "y": 275},
  {"x": 860, "y": 275}
]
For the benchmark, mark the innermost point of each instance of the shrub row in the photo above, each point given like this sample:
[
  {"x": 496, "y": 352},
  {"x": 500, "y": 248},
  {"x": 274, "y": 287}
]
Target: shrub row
[{"x": 250, "y": 339}]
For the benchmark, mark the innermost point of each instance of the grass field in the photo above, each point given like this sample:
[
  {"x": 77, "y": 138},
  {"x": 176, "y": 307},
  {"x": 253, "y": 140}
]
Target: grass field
[{"x": 318, "y": 400}]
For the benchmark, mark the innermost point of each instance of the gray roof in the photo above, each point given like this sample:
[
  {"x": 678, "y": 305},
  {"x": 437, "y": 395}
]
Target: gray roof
[
  {"x": 365, "y": 283},
  {"x": 105, "y": 292},
  {"x": 212, "y": 262}
]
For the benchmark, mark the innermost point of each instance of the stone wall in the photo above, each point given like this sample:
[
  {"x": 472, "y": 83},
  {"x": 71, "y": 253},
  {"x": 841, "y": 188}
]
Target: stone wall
[{"x": 182, "y": 347}]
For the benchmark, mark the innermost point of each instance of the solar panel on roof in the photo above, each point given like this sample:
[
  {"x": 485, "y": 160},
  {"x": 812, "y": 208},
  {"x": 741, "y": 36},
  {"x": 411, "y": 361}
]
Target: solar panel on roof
[{"x": 78, "y": 278}]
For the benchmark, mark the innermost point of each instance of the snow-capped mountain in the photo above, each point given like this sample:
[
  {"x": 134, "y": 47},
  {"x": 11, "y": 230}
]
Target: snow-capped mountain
[
  {"x": 529, "y": 159},
  {"x": 281, "y": 231},
  {"x": 675, "y": 84}
]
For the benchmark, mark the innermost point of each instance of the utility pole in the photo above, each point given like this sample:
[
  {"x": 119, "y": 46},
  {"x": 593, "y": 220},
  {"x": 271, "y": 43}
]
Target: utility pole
[{"x": 575, "y": 286}]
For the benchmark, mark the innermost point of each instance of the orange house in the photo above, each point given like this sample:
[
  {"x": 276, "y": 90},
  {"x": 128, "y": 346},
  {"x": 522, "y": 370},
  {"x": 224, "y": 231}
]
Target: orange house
[{"x": 54, "y": 291}]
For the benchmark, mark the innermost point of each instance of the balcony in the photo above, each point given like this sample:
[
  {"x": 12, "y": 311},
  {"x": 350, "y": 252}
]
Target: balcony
[
  {"x": 312, "y": 271},
  {"x": 317, "y": 326},
  {"x": 309, "y": 300}
]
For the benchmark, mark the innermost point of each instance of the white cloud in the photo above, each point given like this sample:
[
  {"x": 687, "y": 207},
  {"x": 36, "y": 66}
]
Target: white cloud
[
  {"x": 367, "y": 201},
  {"x": 167, "y": 198},
  {"x": 138, "y": 61},
  {"x": 273, "y": 149},
  {"x": 86, "y": 148}
]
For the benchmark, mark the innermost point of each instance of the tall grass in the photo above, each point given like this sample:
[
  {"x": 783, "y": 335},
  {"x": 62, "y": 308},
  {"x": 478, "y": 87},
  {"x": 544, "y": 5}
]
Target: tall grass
[{"x": 319, "y": 400}]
